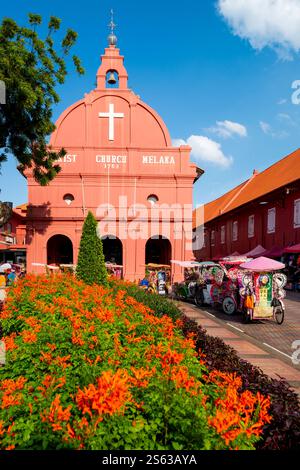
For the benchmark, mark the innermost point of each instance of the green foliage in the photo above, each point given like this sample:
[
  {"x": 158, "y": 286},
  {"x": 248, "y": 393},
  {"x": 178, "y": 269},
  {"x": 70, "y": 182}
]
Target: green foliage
[
  {"x": 91, "y": 264},
  {"x": 89, "y": 368},
  {"x": 31, "y": 68},
  {"x": 158, "y": 304}
]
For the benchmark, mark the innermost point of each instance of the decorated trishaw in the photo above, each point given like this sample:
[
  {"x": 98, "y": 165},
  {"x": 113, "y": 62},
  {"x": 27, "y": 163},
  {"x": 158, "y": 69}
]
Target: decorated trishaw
[
  {"x": 207, "y": 283},
  {"x": 157, "y": 278},
  {"x": 212, "y": 283},
  {"x": 220, "y": 289},
  {"x": 262, "y": 290},
  {"x": 114, "y": 270},
  {"x": 190, "y": 286}
]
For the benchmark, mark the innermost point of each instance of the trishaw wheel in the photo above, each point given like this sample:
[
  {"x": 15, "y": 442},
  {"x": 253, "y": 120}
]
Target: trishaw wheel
[
  {"x": 279, "y": 314},
  {"x": 229, "y": 306},
  {"x": 199, "y": 298}
]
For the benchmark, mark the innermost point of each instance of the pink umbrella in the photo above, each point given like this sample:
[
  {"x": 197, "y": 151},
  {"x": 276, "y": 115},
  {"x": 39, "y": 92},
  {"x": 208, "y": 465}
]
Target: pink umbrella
[
  {"x": 292, "y": 249},
  {"x": 257, "y": 251},
  {"x": 274, "y": 252},
  {"x": 262, "y": 264}
]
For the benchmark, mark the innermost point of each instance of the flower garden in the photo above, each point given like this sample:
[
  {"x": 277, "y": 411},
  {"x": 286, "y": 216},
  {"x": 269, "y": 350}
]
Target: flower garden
[{"x": 92, "y": 367}]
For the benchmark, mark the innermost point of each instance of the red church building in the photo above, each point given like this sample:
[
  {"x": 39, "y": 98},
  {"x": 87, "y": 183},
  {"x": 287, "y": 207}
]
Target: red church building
[
  {"x": 262, "y": 213},
  {"x": 121, "y": 165}
]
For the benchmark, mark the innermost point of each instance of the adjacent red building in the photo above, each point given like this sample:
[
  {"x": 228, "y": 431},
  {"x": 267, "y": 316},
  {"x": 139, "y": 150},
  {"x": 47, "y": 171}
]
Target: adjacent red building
[
  {"x": 13, "y": 237},
  {"x": 263, "y": 210}
]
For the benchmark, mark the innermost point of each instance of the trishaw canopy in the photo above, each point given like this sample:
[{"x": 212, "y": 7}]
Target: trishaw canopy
[
  {"x": 262, "y": 264},
  {"x": 185, "y": 264}
]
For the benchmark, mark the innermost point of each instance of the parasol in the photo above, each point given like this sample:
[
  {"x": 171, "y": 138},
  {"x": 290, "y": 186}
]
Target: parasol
[
  {"x": 4, "y": 267},
  {"x": 262, "y": 264}
]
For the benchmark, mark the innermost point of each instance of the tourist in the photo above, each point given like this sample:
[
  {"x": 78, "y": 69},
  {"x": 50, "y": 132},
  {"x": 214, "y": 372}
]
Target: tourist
[{"x": 11, "y": 277}]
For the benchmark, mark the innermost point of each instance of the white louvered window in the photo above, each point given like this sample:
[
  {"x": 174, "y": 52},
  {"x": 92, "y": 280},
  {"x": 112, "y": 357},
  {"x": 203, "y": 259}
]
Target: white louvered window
[
  {"x": 235, "y": 231},
  {"x": 271, "y": 220},
  {"x": 297, "y": 213},
  {"x": 251, "y": 226},
  {"x": 223, "y": 234}
]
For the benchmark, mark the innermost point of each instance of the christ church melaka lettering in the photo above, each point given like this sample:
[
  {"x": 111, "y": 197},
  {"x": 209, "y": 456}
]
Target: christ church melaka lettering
[
  {"x": 111, "y": 161},
  {"x": 156, "y": 160},
  {"x": 68, "y": 158}
]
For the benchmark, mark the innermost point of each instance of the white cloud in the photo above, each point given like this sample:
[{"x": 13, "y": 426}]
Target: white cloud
[
  {"x": 227, "y": 129},
  {"x": 265, "y": 23},
  {"x": 268, "y": 130},
  {"x": 205, "y": 150},
  {"x": 286, "y": 119},
  {"x": 178, "y": 142},
  {"x": 282, "y": 101},
  {"x": 265, "y": 127}
]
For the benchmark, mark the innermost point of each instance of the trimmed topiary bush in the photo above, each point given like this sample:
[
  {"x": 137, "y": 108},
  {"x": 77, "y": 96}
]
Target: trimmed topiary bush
[{"x": 91, "y": 264}]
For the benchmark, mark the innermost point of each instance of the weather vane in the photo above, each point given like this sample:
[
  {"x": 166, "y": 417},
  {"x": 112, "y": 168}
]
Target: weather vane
[
  {"x": 112, "y": 25},
  {"x": 112, "y": 38}
]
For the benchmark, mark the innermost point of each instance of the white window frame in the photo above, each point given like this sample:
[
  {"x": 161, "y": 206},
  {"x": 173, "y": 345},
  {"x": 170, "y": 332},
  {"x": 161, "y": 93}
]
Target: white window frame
[
  {"x": 251, "y": 222},
  {"x": 223, "y": 234},
  {"x": 235, "y": 231},
  {"x": 297, "y": 213},
  {"x": 271, "y": 227},
  {"x": 204, "y": 239}
]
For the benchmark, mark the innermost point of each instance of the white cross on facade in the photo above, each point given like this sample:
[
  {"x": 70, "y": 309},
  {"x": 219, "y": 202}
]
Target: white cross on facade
[{"x": 111, "y": 115}]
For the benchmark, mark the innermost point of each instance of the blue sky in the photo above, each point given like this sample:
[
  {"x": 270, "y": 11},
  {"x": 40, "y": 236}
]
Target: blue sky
[{"x": 218, "y": 70}]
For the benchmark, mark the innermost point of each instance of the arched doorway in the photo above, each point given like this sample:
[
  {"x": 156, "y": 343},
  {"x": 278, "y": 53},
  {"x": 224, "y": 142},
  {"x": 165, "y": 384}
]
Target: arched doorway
[
  {"x": 112, "y": 249},
  {"x": 158, "y": 250},
  {"x": 59, "y": 250}
]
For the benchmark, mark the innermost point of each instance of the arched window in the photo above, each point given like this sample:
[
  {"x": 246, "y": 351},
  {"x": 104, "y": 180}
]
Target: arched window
[
  {"x": 59, "y": 250},
  {"x": 158, "y": 250},
  {"x": 152, "y": 199},
  {"x": 112, "y": 249},
  {"x": 68, "y": 198}
]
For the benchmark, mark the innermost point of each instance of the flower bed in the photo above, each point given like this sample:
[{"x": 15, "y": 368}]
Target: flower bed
[
  {"x": 283, "y": 432},
  {"x": 92, "y": 368}
]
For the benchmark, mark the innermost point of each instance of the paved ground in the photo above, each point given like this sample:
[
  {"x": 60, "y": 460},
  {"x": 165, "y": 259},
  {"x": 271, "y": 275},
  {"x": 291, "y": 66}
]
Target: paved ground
[{"x": 263, "y": 343}]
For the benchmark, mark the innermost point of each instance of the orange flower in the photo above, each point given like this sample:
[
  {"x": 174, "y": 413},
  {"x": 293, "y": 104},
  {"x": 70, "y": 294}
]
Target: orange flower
[
  {"x": 62, "y": 361},
  {"x": 71, "y": 432},
  {"x": 57, "y": 415},
  {"x": 46, "y": 357},
  {"x": 77, "y": 339},
  {"x": 171, "y": 358},
  {"x": 34, "y": 323},
  {"x": 10, "y": 386},
  {"x": 182, "y": 379},
  {"x": 2, "y": 431},
  {"x": 28, "y": 336},
  {"x": 83, "y": 423},
  {"x": 9, "y": 342},
  {"x": 108, "y": 396},
  {"x": 140, "y": 375},
  {"x": 61, "y": 382},
  {"x": 237, "y": 413}
]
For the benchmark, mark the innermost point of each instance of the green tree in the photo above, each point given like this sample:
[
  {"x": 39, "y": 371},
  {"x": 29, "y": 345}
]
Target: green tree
[
  {"x": 31, "y": 68},
  {"x": 91, "y": 264}
]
